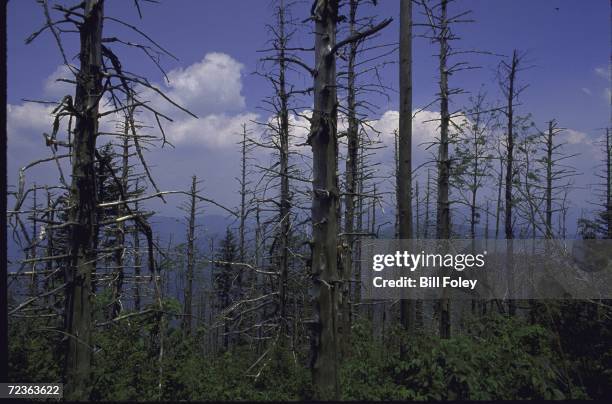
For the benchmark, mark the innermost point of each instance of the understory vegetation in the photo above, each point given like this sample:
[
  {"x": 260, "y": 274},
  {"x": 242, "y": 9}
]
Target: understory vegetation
[{"x": 499, "y": 357}]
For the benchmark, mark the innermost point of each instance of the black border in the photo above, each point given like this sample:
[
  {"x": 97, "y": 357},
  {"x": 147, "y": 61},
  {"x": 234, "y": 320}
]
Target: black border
[{"x": 3, "y": 190}]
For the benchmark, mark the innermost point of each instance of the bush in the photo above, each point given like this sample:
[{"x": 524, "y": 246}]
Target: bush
[{"x": 503, "y": 358}]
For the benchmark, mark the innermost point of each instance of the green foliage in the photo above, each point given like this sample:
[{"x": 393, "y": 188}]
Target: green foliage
[
  {"x": 127, "y": 367},
  {"x": 227, "y": 376},
  {"x": 124, "y": 365},
  {"x": 502, "y": 358},
  {"x": 34, "y": 352}
]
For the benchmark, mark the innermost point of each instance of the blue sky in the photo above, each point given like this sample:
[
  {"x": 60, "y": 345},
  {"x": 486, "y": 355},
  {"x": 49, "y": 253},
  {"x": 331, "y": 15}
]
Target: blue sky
[
  {"x": 216, "y": 43},
  {"x": 565, "y": 46}
]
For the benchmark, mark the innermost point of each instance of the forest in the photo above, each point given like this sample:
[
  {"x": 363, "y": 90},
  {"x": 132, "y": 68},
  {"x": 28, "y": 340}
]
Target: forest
[{"x": 117, "y": 302}]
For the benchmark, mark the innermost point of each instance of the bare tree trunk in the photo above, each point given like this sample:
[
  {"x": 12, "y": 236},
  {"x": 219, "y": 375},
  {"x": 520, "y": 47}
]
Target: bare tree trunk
[
  {"x": 404, "y": 174},
  {"x": 243, "y": 192},
  {"x": 510, "y": 147},
  {"x": 549, "y": 178},
  {"x": 120, "y": 253},
  {"x": 427, "y": 196},
  {"x": 473, "y": 201},
  {"x": 352, "y": 135},
  {"x": 50, "y": 235},
  {"x": 443, "y": 208},
  {"x": 137, "y": 263},
  {"x": 285, "y": 198},
  {"x": 499, "y": 195},
  {"x": 510, "y": 167},
  {"x": 417, "y": 216},
  {"x": 187, "y": 304},
  {"x": 608, "y": 183},
  {"x": 323, "y": 139},
  {"x": 83, "y": 197},
  {"x": 32, "y": 252}
]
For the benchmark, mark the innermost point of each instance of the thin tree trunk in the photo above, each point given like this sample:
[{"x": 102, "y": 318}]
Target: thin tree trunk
[
  {"x": 404, "y": 172},
  {"x": 83, "y": 197},
  {"x": 417, "y": 216},
  {"x": 427, "y": 196},
  {"x": 499, "y": 195},
  {"x": 443, "y": 208},
  {"x": 549, "y": 175},
  {"x": 351, "y": 180},
  {"x": 120, "y": 253},
  {"x": 285, "y": 198},
  {"x": 510, "y": 172},
  {"x": 137, "y": 263},
  {"x": 187, "y": 304},
  {"x": 32, "y": 252},
  {"x": 608, "y": 184}
]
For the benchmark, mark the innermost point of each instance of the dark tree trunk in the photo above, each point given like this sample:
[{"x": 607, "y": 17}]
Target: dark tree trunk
[
  {"x": 510, "y": 170},
  {"x": 323, "y": 140},
  {"x": 83, "y": 198},
  {"x": 187, "y": 304},
  {"x": 137, "y": 263},
  {"x": 285, "y": 198},
  {"x": 352, "y": 135},
  {"x": 443, "y": 208},
  {"x": 404, "y": 172},
  {"x": 549, "y": 175},
  {"x": 608, "y": 184}
]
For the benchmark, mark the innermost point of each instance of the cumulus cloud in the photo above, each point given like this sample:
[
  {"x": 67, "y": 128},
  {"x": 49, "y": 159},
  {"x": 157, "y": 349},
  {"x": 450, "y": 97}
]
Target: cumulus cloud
[
  {"x": 571, "y": 136},
  {"x": 27, "y": 122},
  {"x": 215, "y": 130},
  {"x": 425, "y": 127},
  {"x": 54, "y": 86},
  {"x": 212, "y": 90},
  {"x": 210, "y": 86}
]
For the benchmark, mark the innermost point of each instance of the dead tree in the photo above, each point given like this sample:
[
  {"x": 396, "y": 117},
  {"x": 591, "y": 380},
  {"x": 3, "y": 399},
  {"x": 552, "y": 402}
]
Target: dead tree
[
  {"x": 325, "y": 197},
  {"x": 440, "y": 30},
  {"x": 511, "y": 95},
  {"x": 508, "y": 74},
  {"x": 99, "y": 78},
  {"x": 357, "y": 77},
  {"x": 608, "y": 176},
  {"x": 192, "y": 210},
  {"x": 603, "y": 221},
  {"x": 404, "y": 172},
  {"x": 82, "y": 216},
  {"x": 473, "y": 157},
  {"x": 352, "y": 138},
  {"x": 527, "y": 184},
  {"x": 243, "y": 195}
]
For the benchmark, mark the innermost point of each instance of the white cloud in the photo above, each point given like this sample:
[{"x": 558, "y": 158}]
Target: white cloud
[
  {"x": 603, "y": 72},
  {"x": 211, "y": 86},
  {"x": 571, "y": 136},
  {"x": 212, "y": 90},
  {"x": 27, "y": 122},
  {"x": 55, "y": 88},
  {"x": 607, "y": 94},
  {"x": 425, "y": 126},
  {"x": 214, "y": 130}
]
